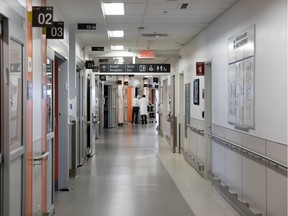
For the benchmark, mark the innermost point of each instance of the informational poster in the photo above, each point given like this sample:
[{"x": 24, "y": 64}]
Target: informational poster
[{"x": 241, "y": 75}]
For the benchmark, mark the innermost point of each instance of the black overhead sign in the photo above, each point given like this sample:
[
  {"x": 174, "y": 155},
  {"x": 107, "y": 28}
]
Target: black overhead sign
[
  {"x": 97, "y": 48},
  {"x": 42, "y": 16},
  {"x": 103, "y": 60},
  {"x": 56, "y": 31},
  {"x": 102, "y": 77},
  {"x": 89, "y": 64},
  {"x": 86, "y": 26},
  {"x": 135, "y": 68}
]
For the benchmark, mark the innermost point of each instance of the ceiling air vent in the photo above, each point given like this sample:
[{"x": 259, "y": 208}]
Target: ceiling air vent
[
  {"x": 184, "y": 6},
  {"x": 154, "y": 35}
]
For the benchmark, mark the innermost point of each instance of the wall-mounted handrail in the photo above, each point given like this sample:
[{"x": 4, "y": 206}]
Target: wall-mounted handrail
[
  {"x": 246, "y": 150},
  {"x": 199, "y": 131}
]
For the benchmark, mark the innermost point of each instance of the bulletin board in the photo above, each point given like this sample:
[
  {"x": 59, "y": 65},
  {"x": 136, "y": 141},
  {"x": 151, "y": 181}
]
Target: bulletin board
[{"x": 241, "y": 79}]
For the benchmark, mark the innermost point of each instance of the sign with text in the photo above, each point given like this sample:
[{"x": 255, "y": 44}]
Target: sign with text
[
  {"x": 135, "y": 68},
  {"x": 86, "y": 26},
  {"x": 89, "y": 64},
  {"x": 146, "y": 54},
  {"x": 56, "y": 31},
  {"x": 242, "y": 45},
  {"x": 200, "y": 69},
  {"x": 97, "y": 48},
  {"x": 42, "y": 16},
  {"x": 102, "y": 77},
  {"x": 241, "y": 79}
]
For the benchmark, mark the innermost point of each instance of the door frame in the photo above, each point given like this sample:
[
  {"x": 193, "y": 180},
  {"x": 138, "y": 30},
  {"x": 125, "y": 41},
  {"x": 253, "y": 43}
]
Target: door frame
[
  {"x": 208, "y": 117},
  {"x": 61, "y": 118},
  {"x": 181, "y": 94},
  {"x": 51, "y": 136}
]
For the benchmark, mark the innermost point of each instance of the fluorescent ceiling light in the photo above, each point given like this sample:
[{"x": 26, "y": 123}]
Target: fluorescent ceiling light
[
  {"x": 118, "y": 47},
  {"x": 114, "y": 9},
  {"x": 116, "y": 33}
]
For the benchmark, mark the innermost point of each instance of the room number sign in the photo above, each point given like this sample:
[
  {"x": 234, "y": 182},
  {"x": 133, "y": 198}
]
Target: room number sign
[{"x": 42, "y": 16}]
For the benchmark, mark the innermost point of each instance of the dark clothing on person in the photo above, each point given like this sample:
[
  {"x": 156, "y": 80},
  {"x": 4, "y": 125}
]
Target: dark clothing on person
[
  {"x": 135, "y": 113},
  {"x": 144, "y": 119}
]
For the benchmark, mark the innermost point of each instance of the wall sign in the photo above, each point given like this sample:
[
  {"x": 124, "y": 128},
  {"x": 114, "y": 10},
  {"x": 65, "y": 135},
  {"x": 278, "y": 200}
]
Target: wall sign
[
  {"x": 196, "y": 99},
  {"x": 200, "y": 69},
  {"x": 135, "y": 68},
  {"x": 86, "y": 26},
  {"x": 29, "y": 90},
  {"x": 241, "y": 75},
  {"x": 89, "y": 64},
  {"x": 42, "y": 16},
  {"x": 56, "y": 31}
]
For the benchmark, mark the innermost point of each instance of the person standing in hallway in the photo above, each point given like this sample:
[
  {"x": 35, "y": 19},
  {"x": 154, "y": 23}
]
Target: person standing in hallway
[
  {"x": 135, "y": 109},
  {"x": 144, "y": 109}
]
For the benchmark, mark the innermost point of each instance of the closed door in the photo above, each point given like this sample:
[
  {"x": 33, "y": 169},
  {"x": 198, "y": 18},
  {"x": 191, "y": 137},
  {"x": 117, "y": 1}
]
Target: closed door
[
  {"x": 12, "y": 152},
  {"x": 93, "y": 117},
  {"x": 80, "y": 116}
]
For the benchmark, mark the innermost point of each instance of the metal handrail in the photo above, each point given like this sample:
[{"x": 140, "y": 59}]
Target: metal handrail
[
  {"x": 246, "y": 150},
  {"x": 200, "y": 131}
]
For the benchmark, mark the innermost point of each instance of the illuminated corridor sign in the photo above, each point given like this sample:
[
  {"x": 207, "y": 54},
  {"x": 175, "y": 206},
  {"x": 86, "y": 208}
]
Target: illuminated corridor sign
[{"x": 135, "y": 68}]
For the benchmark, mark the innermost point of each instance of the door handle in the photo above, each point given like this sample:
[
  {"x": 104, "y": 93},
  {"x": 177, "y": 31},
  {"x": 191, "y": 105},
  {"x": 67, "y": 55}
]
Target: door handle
[{"x": 42, "y": 157}]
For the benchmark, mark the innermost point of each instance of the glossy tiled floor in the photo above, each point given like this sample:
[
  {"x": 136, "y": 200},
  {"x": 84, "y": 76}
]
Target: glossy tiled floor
[{"x": 134, "y": 174}]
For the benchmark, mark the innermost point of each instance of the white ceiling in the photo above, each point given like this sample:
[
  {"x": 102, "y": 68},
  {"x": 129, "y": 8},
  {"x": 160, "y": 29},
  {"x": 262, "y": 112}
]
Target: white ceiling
[{"x": 156, "y": 16}]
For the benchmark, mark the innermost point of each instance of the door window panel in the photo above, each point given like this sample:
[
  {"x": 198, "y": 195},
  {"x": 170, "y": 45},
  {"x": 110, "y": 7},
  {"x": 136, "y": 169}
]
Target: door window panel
[
  {"x": 15, "y": 94},
  {"x": 49, "y": 74}
]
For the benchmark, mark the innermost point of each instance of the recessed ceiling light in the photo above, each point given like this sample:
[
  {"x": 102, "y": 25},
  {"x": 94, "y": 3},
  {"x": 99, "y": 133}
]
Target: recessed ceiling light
[
  {"x": 118, "y": 47},
  {"x": 116, "y": 33},
  {"x": 114, "y": 9}
]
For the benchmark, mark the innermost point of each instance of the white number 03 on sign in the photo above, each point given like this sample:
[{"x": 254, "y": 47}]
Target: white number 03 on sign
[{"x": 56, "y": 31}]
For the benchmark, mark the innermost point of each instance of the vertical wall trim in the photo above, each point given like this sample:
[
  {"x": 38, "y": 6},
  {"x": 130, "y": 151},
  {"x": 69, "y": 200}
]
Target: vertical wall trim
[{"x": 29, "y": 114}]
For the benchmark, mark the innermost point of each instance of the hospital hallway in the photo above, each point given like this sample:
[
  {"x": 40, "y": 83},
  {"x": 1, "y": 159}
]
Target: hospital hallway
[{"x": 134, "y": 173}]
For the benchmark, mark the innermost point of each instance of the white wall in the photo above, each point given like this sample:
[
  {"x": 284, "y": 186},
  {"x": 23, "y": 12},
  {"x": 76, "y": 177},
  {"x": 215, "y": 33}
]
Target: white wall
[
  {"x": 270, "y": 67},
  {"x": 259, "y": 185},
  {"x": 60, "y": 46}
]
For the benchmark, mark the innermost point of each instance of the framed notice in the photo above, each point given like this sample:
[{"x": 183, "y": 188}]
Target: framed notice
[
  {"x": 196, "y": 100},
  {"x": 241, "y": 75}
]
